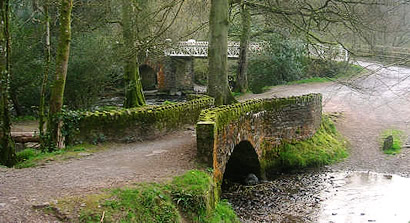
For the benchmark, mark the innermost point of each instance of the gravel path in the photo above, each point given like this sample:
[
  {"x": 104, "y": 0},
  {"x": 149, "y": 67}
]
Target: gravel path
[
  {"x": 369, "y": 105},
  {"x": 151, "y": 161}
]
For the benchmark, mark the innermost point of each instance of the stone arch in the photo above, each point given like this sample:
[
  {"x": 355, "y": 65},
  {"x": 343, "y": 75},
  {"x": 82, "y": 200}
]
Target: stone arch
[
  {"x": 243, "y": 161},
  {"x": 148, "y": 77}
]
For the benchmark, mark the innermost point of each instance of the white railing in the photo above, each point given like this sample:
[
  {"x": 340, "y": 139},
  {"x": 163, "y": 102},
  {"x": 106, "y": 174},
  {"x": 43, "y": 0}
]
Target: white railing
[
  {"x": 193, "y": 48},
  {"x": 330, "y": 52}
]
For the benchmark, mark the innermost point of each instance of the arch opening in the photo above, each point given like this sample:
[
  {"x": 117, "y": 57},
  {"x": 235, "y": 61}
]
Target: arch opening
[
  {"x": 243, "y": 161},
  {"x": 148, "y": 77}
]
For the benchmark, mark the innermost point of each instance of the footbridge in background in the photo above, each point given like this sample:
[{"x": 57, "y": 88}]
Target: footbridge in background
[
  {"x": 243, "y": 138},
  {"x": 176, "y": 71},
  {"x": 199, "y": 49}
]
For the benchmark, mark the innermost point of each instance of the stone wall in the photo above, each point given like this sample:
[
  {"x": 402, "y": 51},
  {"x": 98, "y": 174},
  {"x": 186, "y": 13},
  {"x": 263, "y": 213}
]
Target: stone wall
[
  {"x": 177, "y": 75},
  {"x": 260, "y": 122},
  {"x": 128, "y": 125}
]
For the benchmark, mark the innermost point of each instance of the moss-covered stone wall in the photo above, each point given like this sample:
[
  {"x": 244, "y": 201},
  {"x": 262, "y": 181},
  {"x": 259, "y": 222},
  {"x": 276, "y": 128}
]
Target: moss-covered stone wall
[
  {"x": 260, "y": 122},
  {"x": 128, "y": 125}
]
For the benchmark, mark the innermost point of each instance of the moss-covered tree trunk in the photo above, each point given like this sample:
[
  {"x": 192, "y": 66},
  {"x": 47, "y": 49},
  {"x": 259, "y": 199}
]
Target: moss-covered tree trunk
[
  {"x": 7, "y": 151},
  {"x": 218, "y": 50},
  {"x": 57, "y": 89},
  {"x": 242, "y": 75},
  {"x": 47, "y": 63},
  {"x": 134, "y": 96}
]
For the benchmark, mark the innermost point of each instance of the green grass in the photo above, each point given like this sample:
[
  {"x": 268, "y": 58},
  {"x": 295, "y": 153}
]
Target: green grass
[
  {"x": 166, "y": 102},
  {"x": 398, "y": 139},
  {"x": 223, "y": 213},
  {"x": 311, "y": 80},
  {"x": 238, "y": 94},
  {"x": 24, "y": 118},
  {"x": 351, "y": 71},
  {"x": 31, "y": 157},
  {"x": 151, "y": 202},
  {"x": 325, "y": 147}
]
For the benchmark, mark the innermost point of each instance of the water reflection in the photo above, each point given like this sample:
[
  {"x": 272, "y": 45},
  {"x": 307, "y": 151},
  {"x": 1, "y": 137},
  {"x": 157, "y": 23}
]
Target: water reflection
[
  {"x": 324, "y": 197},
  {"x": 367, "y": 197}
]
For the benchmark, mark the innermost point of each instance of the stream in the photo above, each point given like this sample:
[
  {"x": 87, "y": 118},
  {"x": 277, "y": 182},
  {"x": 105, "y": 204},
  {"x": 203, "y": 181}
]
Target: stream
[{"x": 324, "y": 196}]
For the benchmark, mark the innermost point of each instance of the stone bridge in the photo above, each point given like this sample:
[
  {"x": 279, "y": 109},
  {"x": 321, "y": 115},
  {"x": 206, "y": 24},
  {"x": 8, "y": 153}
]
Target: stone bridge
[{"x": 239, "y": 139}]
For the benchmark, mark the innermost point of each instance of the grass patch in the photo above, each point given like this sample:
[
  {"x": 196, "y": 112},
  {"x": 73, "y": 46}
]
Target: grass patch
[
  {"x": 23, "y": 118},
  {"x": 150, "y": 202},
  {"x": 238, "y": 94},
  {"x": 398, "y": 139},
  {"x": 325, "y": 147},
  {"x": 31, "y": 157},
  {"x": 350, "y": 71},
  {"x": 311, "y": 80}
]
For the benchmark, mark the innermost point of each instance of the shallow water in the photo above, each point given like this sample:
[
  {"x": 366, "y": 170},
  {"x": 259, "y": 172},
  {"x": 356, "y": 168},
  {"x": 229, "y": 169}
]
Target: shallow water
[
  {"x": 367, "y": 197},
  {"x": 324, "y": 197}
]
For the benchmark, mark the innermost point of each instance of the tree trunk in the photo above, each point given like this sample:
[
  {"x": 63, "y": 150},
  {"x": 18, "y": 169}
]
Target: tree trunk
[
  {"x": 16, "y": 103},
  {"x": 242, "y": 75},
  {"x": 217, "y": 56},
  {"x": 134, "y": 96},
  {"x": 46, "y": 74},
  {"x": 7, "y": 150},
  {"x": 57, "y": 90}
]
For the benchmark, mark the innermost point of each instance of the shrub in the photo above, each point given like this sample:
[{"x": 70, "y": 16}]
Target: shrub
[{"x": 281, "y": 62}]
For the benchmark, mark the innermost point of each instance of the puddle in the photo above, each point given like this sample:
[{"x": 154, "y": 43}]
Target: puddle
[{"x": 367, "y": 197}]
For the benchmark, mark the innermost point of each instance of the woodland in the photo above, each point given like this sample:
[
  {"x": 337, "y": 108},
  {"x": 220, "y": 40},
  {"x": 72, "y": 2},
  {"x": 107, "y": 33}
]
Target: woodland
[{"x": 57, "y": 56}]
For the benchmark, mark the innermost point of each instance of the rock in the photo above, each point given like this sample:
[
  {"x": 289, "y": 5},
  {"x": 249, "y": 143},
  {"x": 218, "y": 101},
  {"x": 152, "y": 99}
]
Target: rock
[
  {"x": 33, "y": 145},
  {"x": 40, "y": 206},
  {"x": 251, "y": 179},
  {"x": 84, "y": 154},
  {"x": 388, "y": 142}
]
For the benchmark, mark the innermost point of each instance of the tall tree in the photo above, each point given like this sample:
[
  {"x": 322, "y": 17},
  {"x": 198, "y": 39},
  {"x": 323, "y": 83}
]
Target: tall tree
[
  {"x": 57, "y": 90},
  {"x": 134, "y": 95},
  {"x": 242, "y": 76},
  {"x": 46, "y": 71},
  {"x": 7, "y": 151},
  {"x": 218, "y": 51}
]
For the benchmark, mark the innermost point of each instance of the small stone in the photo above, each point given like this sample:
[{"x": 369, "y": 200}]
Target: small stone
[
  {"x": 40, "y": 206},
  {"x": 334, "y": 214},
  {"x": 388, "y": 142},
  {"x": 387, "y": 176},
  {"x": 2, "y": 205},
  {"x": 251, "y": 179},
  {"x": 82, "y": 205},
  {"x": 362, "y": 214},
  {"x": 84, "y": 154},
  {"x": 371, "y": 220}
]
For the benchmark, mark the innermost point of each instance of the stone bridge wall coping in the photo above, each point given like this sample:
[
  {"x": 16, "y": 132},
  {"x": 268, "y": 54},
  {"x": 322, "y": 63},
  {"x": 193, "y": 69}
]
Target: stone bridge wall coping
[
  {"x": 134, "y": 124},
  {"x": 262, "y": 122}
]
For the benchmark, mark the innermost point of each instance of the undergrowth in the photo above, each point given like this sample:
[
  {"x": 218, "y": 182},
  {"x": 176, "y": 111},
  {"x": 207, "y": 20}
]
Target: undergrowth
[
  {"x": 325, "y": 147},
  {"x": 189, "y": 195},
  {"x": 398, "y": 140},
  {"x": 32, "y": 157}
]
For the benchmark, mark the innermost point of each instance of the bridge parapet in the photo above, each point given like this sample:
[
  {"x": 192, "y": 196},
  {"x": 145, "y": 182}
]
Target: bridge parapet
[
  {"x": 193, "y": 48},
  {"x": 260, "y": 122}
]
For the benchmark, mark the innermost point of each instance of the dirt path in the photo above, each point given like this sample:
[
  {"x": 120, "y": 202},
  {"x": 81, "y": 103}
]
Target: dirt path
[
  {"x": 151, "y": 161},
  {"x": 375, "y": 103}
]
